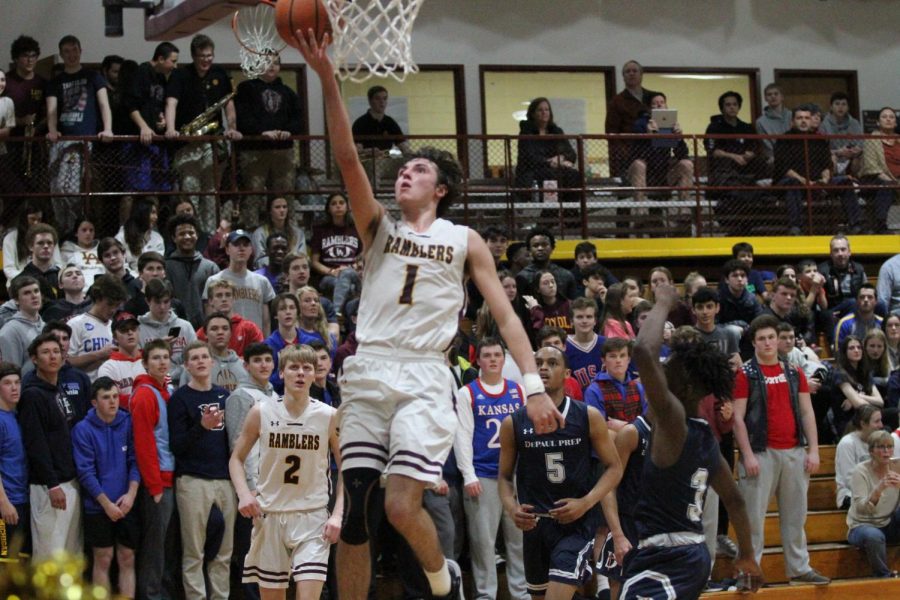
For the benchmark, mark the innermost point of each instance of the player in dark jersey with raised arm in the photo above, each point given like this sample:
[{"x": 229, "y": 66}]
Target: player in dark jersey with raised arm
[
  {"x": 555, "y": 495},
  {"x": 671, "y": 560}
]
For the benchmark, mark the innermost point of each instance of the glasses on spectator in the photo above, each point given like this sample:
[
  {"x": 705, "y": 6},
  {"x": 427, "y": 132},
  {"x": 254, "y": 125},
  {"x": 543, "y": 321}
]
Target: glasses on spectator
[{"x": 885, "y": 447}]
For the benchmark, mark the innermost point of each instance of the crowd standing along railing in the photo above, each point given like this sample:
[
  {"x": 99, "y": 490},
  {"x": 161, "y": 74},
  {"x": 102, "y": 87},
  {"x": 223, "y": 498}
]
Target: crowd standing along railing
[{"x": 579, "y": 186}]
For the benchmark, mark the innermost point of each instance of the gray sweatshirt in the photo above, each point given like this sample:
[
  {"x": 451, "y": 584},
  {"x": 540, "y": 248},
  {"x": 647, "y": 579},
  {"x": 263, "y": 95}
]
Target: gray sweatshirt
[
  {"x": 237, "y": 406},
  {"x": 227, "y": 372},
  {"x": 151, "y": 329},
  {"x": 7, "y": 310},
  {"x": 15, "y": 337},
  {"x": 850, "y": 126},
  {"x": 771, "y": 123}
]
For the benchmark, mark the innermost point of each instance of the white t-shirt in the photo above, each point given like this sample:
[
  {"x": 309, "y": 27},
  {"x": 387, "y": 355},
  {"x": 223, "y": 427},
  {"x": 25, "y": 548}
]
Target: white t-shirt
[
  {"x": 251, "y": 292},
  {"x": 154, "y": 243},
  {"x": 89, "y": 334},
  {"x": 7, "y": 117}
]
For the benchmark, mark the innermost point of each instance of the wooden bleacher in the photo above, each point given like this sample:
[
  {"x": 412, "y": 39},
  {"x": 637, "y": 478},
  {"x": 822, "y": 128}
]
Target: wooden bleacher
[{"x": 829, "y": 552}]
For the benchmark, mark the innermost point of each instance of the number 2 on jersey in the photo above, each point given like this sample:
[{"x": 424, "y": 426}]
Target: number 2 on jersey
[
  {"x": 290, "y": 474},
  {"x": 494, "y": 442},
  {"x": 406, "y": 294}
]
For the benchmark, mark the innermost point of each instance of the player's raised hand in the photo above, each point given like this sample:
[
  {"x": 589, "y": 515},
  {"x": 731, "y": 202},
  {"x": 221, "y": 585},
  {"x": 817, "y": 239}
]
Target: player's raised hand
[
  {"x": 569, "y": 510},
  {"x": 544, "y": 414},
  {"x": 666, "y": 294},
  {"x": 249, "y": 507},
  {"x": 332, "y": 529},
  {"x": 314, "y": 53}
]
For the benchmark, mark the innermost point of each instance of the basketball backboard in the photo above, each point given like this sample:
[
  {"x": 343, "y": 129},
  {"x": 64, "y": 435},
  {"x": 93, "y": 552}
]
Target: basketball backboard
[{"x": 171, "y": 19}]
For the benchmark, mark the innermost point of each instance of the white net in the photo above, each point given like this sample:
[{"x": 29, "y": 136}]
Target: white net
[
  {"x": 254, "y": 28},
  {"x": 373, "y": 37}
]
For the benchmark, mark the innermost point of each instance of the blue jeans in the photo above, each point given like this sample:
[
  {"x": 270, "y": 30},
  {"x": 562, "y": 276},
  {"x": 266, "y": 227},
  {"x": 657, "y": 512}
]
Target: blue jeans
[{"x": 874, "y": 539}]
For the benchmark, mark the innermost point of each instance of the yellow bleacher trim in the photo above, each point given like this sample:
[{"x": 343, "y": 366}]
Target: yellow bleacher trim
[{"x": 812, "y": 246}]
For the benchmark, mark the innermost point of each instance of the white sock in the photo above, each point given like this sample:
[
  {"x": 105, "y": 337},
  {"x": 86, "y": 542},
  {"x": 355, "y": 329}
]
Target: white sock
[
  {"x": 602, "y": 583},
  {"x": 439, "y": 581}
]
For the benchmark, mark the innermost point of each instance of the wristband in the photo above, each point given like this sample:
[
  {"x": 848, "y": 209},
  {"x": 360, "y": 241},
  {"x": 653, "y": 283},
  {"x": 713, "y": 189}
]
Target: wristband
[{"x": 533, "y": 384}]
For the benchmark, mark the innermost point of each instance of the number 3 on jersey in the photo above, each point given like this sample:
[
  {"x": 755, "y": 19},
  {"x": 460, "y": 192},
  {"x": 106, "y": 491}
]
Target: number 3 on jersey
[
  {"x": 406, "y": 295},
  {"x": 698, "y": 484}
]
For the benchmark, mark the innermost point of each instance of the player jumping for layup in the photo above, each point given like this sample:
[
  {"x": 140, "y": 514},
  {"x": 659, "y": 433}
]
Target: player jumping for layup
[
  {"x": 397, "y": 417},
  {"x": 671, "y": 560}
]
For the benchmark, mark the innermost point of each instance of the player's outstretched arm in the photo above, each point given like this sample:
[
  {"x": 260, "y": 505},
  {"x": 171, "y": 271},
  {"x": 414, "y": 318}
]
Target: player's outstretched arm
[
  {"x": 571, "y": 509},
  {"x": 247, "y": 504},
  {"x": 367, "y": 211},
  {"x": 745, "y": 563},
  {"x": 669, "y": 425},
  {"x": 520, "y": 513},
  {"x": 333, "y": 524},
  {"x": 626, "y": 442},
  {"x": 541, "y": 410}
]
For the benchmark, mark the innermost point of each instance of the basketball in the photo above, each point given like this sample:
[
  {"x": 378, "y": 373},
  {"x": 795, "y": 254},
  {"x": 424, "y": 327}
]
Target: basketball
[{"x": 291, "y": 15}]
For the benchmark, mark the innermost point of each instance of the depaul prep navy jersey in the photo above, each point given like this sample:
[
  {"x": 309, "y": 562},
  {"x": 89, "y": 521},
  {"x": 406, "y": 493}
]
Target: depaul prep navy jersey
[
  {"x": 672, "y": 499},
  {"x": 555, "y": 465}
]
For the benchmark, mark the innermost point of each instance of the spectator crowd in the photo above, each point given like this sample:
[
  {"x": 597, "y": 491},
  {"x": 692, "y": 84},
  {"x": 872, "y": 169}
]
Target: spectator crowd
[{"x": 131, "y": 359}]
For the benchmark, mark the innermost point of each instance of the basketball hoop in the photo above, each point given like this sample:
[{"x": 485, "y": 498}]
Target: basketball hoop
[
  {"x": 254, "y": 29},
  {"x": 373, "y": 37}
]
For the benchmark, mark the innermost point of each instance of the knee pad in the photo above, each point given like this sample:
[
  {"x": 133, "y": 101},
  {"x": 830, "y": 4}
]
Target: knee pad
[{"x": 362, "y": 504}]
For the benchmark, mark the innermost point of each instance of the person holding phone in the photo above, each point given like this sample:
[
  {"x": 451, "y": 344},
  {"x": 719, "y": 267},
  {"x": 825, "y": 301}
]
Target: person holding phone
[{"x": 161, "y": 322}]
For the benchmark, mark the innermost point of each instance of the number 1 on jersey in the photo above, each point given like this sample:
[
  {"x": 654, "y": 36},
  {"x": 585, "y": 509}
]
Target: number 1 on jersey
[{"x": 406, "y": 294}]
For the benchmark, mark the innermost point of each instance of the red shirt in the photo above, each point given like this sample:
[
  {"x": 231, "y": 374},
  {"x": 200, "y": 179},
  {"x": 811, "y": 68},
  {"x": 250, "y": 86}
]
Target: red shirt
[
  {"x": 782, "y": 430},
  {"x": 243, "y": 333},
  {"x": 573, "y": 389},
  {"x": 892, "y": 158}
]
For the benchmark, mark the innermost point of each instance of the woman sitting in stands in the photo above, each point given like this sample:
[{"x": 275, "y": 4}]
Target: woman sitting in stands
[
  {"x": 139, "y": 231},
  {"x": 548, "y": 307},
  {"x": 485, "y": 326},
  {"x": 278, "y": 220},
  {"x": 545, "y": 160},
  {"x": 616, "y": 308},
  {"x": 854, "y": 382},
  {"x": 681, "y": 313},
  {"x": 881, "y": 166},
  {"x": 81, "y": 248},
  {"x": 853, "y": 449},
  {"x": 877, "y": 360},
  {"x": 335, "y": 248},
  {"x": 891, "y": 325},
  {"x": 874, "y": 518},
  {"x": 15, "y": 253}
]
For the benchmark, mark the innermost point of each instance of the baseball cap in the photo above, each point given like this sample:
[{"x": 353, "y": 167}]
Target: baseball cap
[
  {"x": 123, "y": 319},
  {"x": 238, "y": 234}
]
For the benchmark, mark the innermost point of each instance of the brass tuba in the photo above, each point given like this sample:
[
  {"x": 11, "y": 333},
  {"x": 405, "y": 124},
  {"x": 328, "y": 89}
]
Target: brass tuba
[{"x": 207, "y": 122}]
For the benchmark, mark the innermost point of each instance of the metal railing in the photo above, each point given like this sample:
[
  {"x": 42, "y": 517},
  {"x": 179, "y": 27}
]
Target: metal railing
[{"x": 682, "y": 192}]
